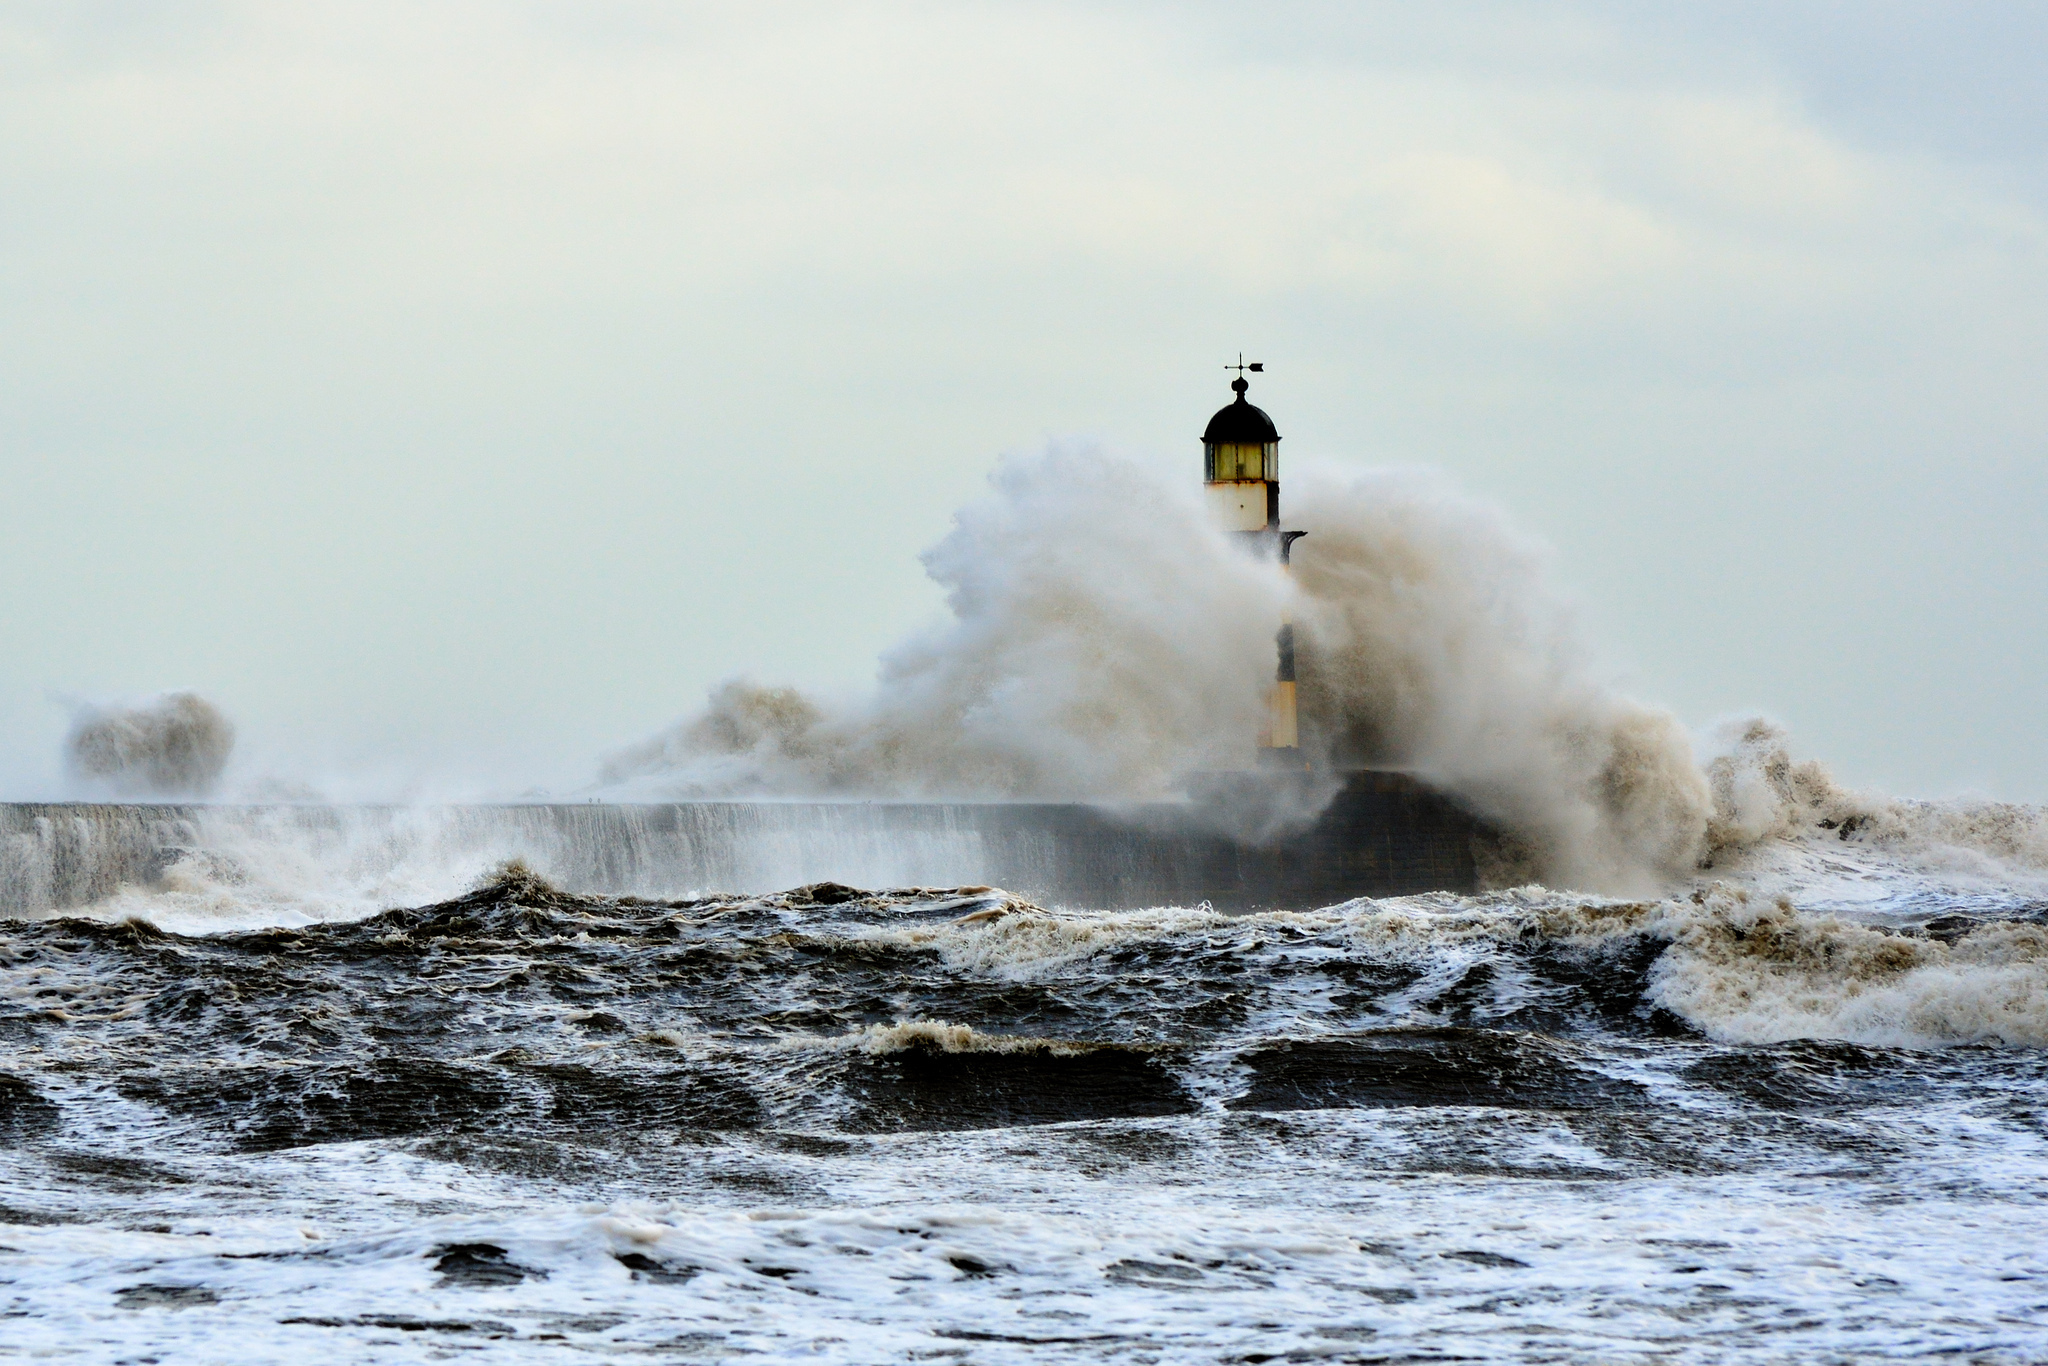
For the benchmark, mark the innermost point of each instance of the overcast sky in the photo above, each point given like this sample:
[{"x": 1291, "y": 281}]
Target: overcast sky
[{"x": 455, "y": 391}]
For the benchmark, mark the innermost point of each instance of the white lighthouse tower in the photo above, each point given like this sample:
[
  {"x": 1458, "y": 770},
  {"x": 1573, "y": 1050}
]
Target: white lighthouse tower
[{"x": 1241, "y": 471}]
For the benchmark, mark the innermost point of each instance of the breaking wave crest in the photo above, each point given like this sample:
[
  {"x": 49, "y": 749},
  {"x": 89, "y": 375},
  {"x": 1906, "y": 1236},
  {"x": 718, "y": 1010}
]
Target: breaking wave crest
[
  {"x": 1750, "y": 971},
  {"x": 1785, "y": 825}
]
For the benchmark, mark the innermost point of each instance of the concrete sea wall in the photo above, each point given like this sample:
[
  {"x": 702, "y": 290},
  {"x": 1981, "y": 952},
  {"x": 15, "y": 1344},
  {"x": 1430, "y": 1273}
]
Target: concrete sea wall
[{"x": 1382, "y": 835}]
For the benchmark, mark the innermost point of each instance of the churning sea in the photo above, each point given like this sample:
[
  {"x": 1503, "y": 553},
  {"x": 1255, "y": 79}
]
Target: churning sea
[{"x": 1797, "y": 1118}]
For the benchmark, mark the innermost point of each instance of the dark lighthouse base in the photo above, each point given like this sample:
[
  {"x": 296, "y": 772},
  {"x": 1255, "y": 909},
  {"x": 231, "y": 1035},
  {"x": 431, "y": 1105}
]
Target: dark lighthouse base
[{"x": 1382, "y": 835}]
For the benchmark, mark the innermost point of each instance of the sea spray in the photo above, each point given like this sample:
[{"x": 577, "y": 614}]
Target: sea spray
[
  {"x": 174, "y": 745},
  {"x": 1437, "y": 643},
  {"x": 1106, "y": 640}
]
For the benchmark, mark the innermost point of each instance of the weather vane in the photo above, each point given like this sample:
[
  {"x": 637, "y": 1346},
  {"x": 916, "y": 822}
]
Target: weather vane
[{"x": 1256, "y": 367}]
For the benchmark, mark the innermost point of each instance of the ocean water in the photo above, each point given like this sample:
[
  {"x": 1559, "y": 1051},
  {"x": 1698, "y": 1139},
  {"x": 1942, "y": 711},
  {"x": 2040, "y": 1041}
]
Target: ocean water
[{"x": 1794, "y": 1111}]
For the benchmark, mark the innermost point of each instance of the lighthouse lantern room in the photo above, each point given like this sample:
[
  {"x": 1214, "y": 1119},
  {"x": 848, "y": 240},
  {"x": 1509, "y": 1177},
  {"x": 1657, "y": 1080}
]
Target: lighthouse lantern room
[{"x": 1241, "y": 463}]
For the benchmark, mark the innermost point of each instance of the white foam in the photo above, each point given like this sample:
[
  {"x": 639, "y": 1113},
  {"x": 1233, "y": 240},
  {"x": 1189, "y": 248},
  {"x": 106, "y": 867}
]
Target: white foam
[{"x": 1003, "y": 1248}]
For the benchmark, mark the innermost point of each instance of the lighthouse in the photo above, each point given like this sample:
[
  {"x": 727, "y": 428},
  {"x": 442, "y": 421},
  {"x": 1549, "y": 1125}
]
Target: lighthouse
[{"x": 1241, "y": 474}]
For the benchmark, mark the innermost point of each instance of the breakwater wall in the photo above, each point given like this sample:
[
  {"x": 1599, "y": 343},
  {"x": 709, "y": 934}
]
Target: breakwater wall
[{"x": 1382, "y": 835}]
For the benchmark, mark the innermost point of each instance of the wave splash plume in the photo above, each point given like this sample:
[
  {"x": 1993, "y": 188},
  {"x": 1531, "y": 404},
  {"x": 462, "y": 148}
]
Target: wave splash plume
[{"x": 1104, "y": 640}]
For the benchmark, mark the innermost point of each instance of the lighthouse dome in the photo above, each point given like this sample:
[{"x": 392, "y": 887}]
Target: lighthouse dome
[{"x": 1240, "y": 424}]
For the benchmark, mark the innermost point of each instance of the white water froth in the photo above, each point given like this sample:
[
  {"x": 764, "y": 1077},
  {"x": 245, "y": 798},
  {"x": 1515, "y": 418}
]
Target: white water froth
[
  {"x": 1006, "y": 1247},
  {"x": 1741, "y": 969}
]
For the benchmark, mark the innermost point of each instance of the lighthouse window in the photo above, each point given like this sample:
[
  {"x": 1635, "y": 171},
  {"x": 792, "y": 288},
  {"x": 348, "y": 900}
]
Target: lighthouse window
[{"x": 1231, "y": 460}]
